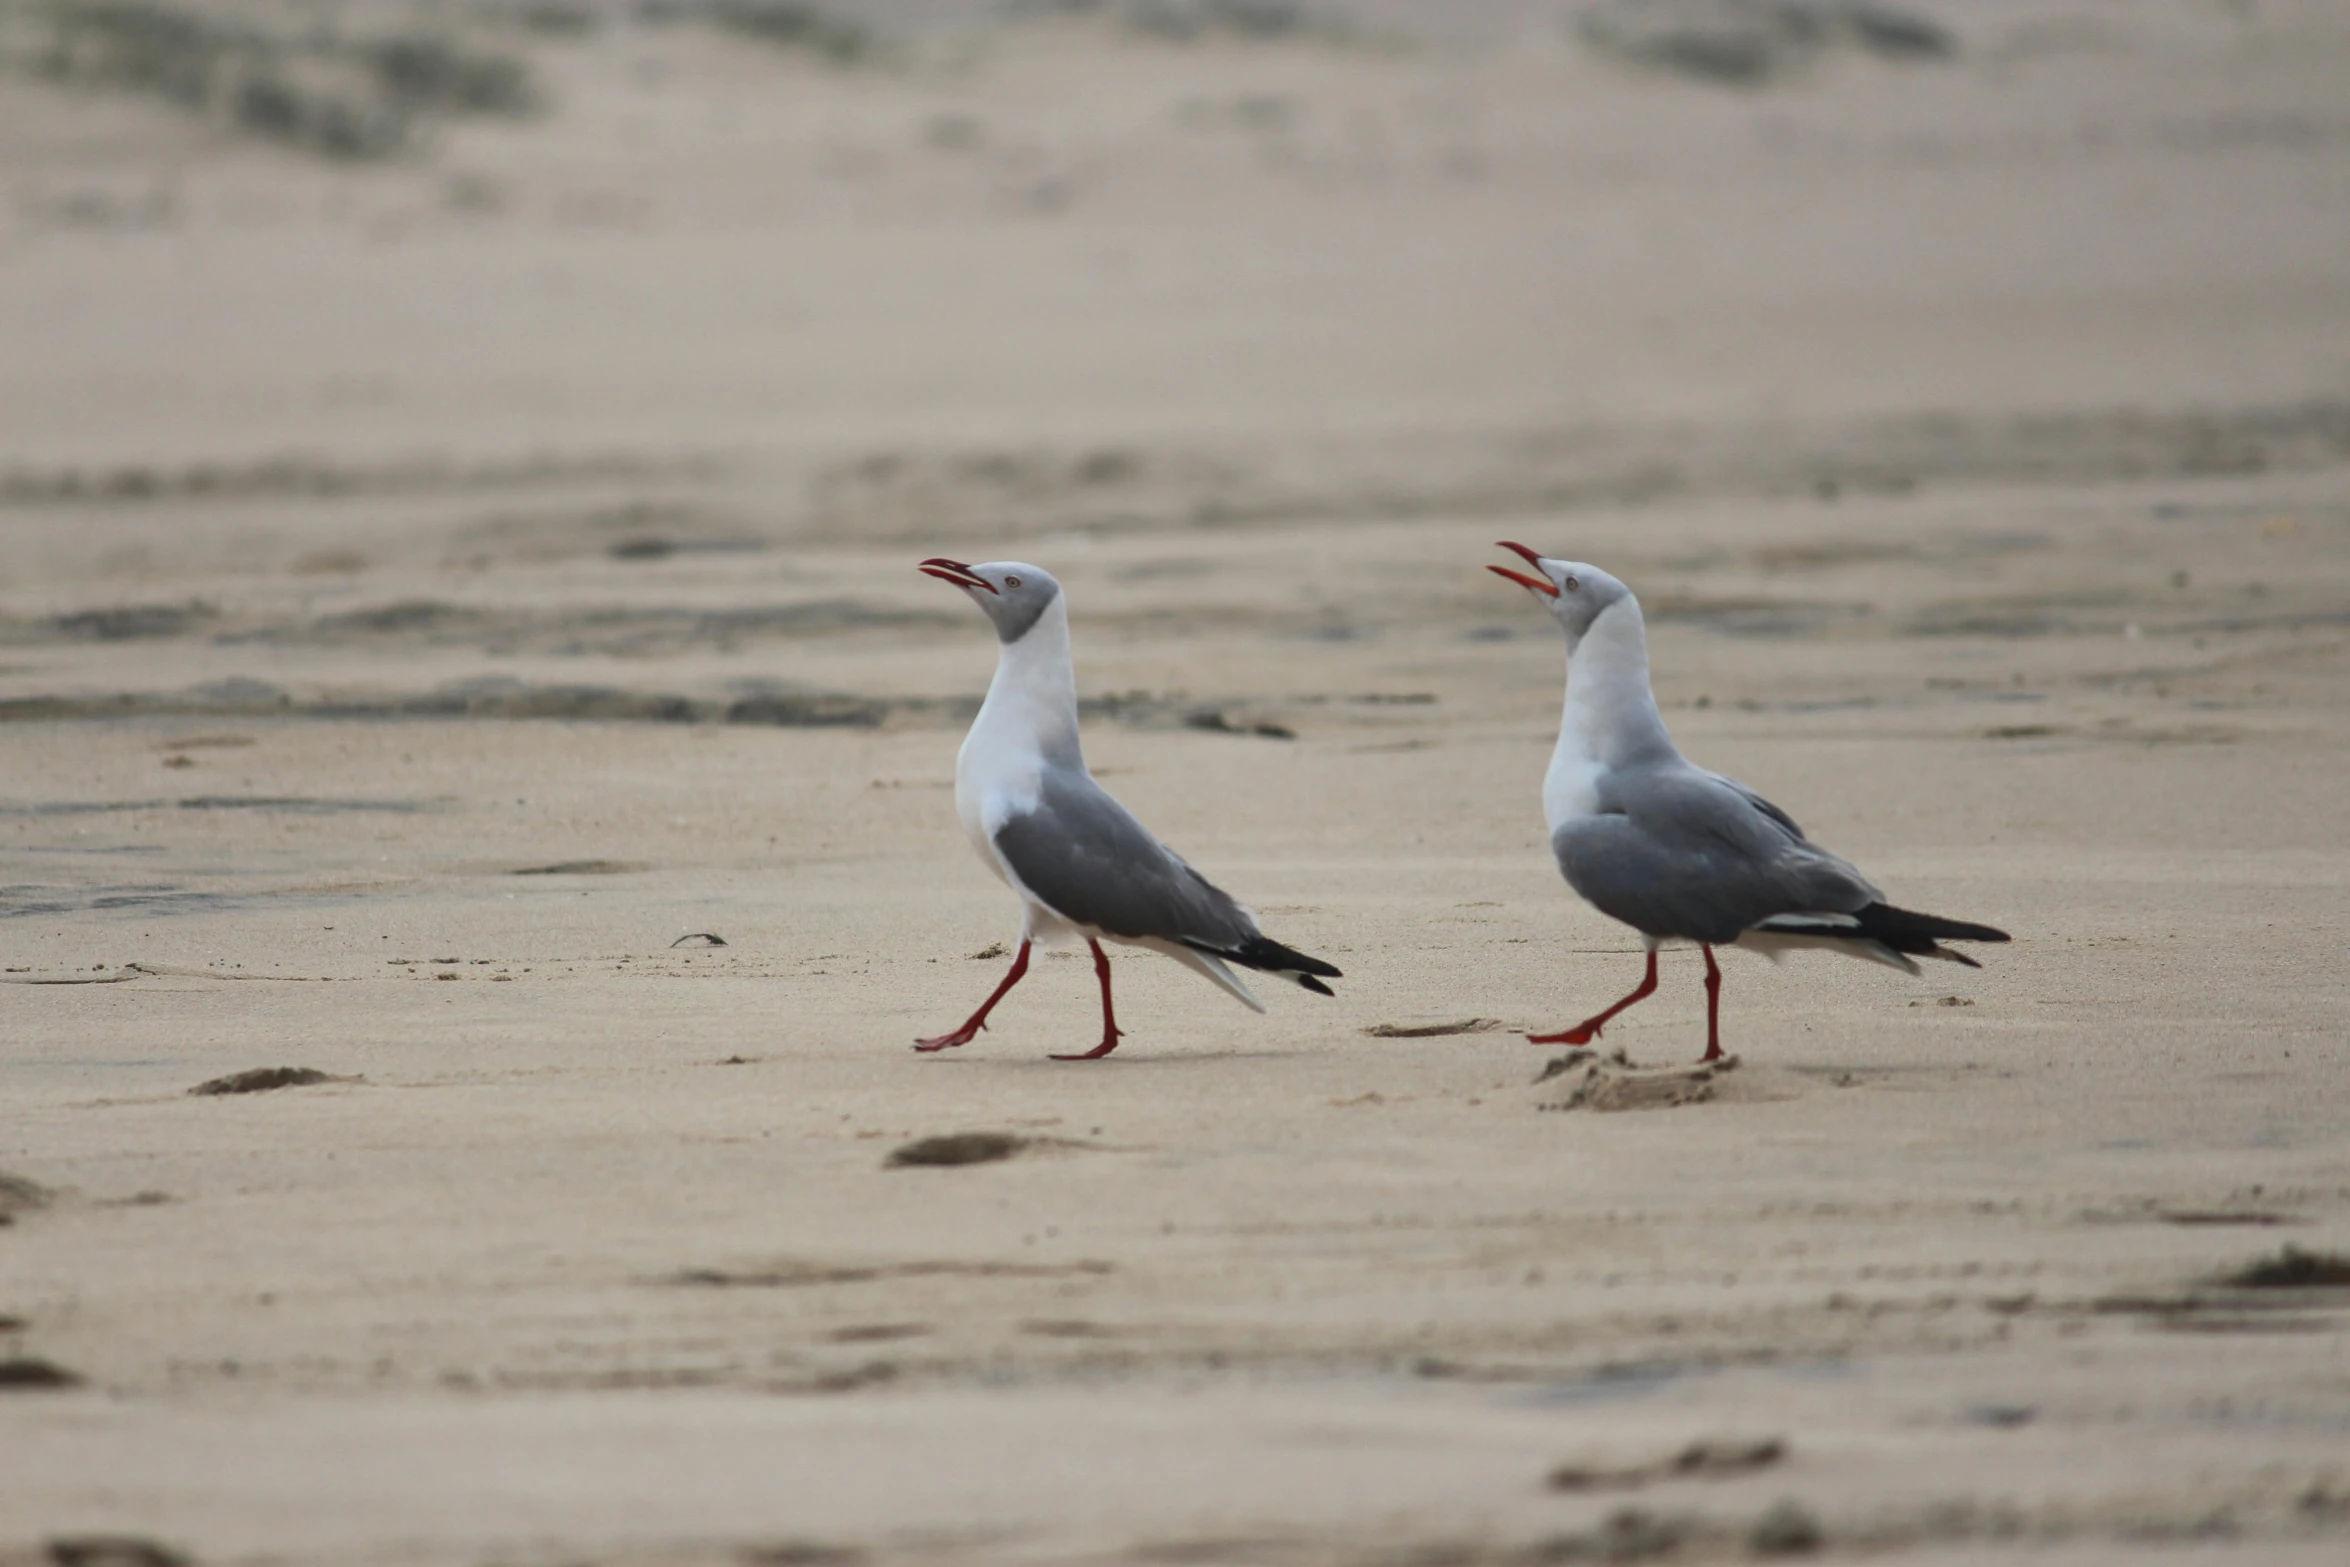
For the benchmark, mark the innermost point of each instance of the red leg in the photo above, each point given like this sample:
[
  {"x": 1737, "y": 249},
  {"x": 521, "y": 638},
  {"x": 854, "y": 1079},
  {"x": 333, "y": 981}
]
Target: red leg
[
  {"x": 978, "y": 1020},
  {"x": 1585, "y": 1032},
  {"x": 1713, "y": 1006},
  {"x": 1101, "y": 969}
]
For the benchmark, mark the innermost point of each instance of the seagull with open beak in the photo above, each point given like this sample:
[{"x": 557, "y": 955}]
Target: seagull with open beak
[
  {"x": 1082, "y": 865},
  {"x": 1676, "y": 852}
]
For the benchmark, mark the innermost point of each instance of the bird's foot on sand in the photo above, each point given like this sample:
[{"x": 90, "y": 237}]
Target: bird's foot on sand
[{"x": 1097, "y": 1052}]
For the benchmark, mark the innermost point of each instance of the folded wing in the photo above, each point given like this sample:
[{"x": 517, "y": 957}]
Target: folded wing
[
  {"x": 1085, "y": 857},
  {"x": 1676, "y": 852}
]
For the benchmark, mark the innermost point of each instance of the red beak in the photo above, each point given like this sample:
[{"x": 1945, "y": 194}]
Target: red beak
[
  {"x": 954, "y": 571},
  {"x": 1538, "y": 584}
]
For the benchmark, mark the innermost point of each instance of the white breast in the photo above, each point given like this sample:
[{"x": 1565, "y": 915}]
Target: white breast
[
  {"x": 999, "y": 774},
  {"x": 1571, "y": 788}
]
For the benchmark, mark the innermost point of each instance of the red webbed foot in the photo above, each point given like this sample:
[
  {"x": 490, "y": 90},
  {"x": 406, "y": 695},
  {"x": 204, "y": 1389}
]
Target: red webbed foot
[
  {"x": 1585, "y": 1032},
  {"x": 977, "y": 1020}
]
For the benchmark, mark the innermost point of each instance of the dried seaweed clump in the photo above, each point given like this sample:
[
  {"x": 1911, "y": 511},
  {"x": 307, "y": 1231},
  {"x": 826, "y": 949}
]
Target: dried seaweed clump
[
  {"x": 2294, "y": 1268},
  {"x": 785, "y": 24},
  {"x": 261, "y": 1080},
  {"x": 1751, "y": 43},
  {"x": 275, "y": 72}
]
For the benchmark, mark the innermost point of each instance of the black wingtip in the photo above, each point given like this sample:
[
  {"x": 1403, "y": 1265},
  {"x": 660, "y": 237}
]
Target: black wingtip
[
  {"x": 1262, "y": 952},
  {"x": 1906, "y": 930},
  {"x": 1270, "y": 957}
]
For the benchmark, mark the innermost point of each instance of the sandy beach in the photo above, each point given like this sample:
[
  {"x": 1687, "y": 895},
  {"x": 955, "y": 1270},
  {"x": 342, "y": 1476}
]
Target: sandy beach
[{"x": 444, "y": 588}]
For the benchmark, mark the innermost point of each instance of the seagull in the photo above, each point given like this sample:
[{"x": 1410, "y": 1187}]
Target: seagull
[
  {"x": 1080, "y": 862},
  {"x": 1678, "y": 853}
]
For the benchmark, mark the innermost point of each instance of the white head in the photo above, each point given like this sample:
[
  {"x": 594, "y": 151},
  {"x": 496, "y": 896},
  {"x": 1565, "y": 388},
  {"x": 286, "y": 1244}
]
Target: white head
[
  {"x": 1573, "y": 592},
  {"x": 1013, "y": 593}
]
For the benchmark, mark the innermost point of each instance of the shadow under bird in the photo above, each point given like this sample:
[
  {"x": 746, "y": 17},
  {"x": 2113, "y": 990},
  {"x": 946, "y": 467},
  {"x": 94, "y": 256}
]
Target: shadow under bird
[
  {"x": 1082, "y": 865},
  {"x": 1676, "y": 852}
]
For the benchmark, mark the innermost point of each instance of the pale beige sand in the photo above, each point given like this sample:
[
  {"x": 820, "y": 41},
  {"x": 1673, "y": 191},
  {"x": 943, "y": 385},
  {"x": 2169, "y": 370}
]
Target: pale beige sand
[{"x": 591, "y": 1253}]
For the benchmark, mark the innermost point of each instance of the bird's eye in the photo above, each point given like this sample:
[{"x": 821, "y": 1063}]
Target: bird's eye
[
  {"x": 1011, "y": 582},
  {"x": 1570, "y": 584}
]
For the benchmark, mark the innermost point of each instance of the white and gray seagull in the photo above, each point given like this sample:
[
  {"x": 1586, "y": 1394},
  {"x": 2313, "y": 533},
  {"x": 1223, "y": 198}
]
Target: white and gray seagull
[
  {"x": 1080, "y": 862},
  {"x": 1676, "y": 852}
]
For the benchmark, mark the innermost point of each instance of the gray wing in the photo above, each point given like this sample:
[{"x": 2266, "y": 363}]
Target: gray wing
[
  {"x": 1674, "y": 851},
  {"x": 1092, "y": 863},
  {"x": 1760, "y": 804}
]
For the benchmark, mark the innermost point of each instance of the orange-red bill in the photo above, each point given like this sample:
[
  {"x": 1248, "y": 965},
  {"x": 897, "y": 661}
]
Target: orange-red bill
[
  {"x": 954, "y": 571},
  {"x": 1524, "y": 581},
  {"x": 1537, "y": 584}
]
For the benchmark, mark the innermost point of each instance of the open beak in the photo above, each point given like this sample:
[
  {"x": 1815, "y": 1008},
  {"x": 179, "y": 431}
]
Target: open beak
[
  {"x": 1541, "y": 585},
  {"x": 956, "y": 572}
]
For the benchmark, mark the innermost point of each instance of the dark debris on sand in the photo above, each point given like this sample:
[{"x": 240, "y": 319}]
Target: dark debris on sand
[
  {"x": 957, "y": 1148},
  {"x": 585, "y": 868},
  {"x": 110, "y": 1550},
  {"x": 801, "y": 1553},
  {"x": 1709, "y": 1458},
  {"x": 31, "y": 1374},
  {"x": 262, "y": 1079},
  {"x": 18, "y": 1195},
  {"x": 338, "y": 96},
  {"x": 2293, "y": 1268},
  {"x": 1629, "y": 1534},
  {"x": 1788, "y": 1529},
  {"x": 1752, "y": 43}
]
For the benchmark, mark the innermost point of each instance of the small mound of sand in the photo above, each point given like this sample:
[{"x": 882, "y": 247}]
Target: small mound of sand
[{"x": 1617, "y": 1085}]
